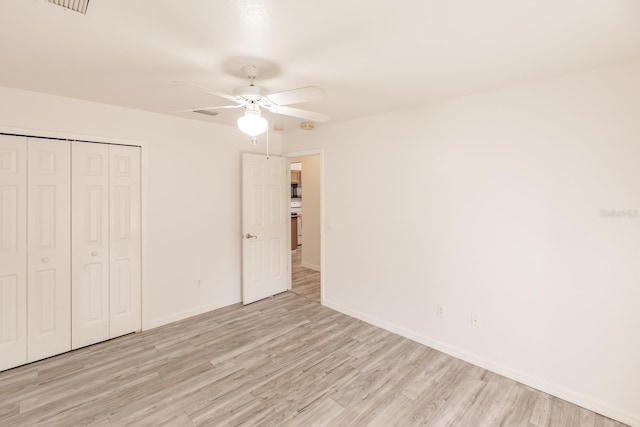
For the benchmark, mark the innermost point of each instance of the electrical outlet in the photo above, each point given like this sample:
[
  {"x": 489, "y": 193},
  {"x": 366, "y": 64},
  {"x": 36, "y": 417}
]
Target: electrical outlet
[
  {"x": 475, "y": 320},
  {"x": 199, "y": 284},
  {"x": 441, "y": 311}
]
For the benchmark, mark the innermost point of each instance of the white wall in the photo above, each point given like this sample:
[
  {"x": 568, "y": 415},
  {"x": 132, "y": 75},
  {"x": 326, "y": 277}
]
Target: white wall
[
  {"x": 491, "y": 204},
  {"x": 193, "y": 195}
]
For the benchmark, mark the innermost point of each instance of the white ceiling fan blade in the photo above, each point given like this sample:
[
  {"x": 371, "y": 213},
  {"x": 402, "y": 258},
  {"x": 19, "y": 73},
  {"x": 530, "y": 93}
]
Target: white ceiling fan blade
[
  {"x": 191, "y": 110},
  {"x": 302, "y": 114},
  {"x": 213, "y": 92},
  {"x": 296, "y": 96}
]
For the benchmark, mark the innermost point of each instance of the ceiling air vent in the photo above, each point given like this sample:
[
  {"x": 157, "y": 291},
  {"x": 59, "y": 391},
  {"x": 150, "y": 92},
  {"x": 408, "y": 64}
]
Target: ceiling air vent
[
  {"x": 75, "y": 5},
  {"x": 206, "y": 112}
]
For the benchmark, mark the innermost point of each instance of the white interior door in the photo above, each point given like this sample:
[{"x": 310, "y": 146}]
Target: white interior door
[
  {"x": 90, "y": 243},
  {"x": 13, "y": 251},
  {"x": 265, "y": 234},
  {"x": 49, "y": 259},
  {"x": 124, "y": 242}
]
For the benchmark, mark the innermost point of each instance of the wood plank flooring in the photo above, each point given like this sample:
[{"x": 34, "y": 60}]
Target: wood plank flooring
[
  {"x": 283, "y": 361},
  {"x": 304, "y": 281}
]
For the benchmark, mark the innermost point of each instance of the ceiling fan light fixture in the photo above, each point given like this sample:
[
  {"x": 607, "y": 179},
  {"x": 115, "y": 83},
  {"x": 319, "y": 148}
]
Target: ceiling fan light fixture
[{"x": 252, "y": 123}]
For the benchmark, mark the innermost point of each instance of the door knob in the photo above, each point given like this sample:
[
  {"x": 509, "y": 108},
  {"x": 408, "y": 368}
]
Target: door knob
[
  {"x": 250, "y": 236},
  {"x": 94, "y": 253},
  {"x": 45, "y": 260}
]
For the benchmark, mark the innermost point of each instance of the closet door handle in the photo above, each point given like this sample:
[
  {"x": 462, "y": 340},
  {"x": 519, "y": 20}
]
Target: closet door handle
[
  {"x": 45, "y": 260},
  {"x": 94, "y": 253}
]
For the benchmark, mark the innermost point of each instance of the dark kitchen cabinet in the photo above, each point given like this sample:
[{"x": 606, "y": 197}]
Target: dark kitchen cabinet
[{"x": 294, "y": 233}]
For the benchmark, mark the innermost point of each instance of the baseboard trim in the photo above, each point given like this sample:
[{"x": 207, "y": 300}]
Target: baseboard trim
[
  {"x": 519, "y": 376},
  {"x": 310, "y": 266},
  {"x": 188, "y": 313}
]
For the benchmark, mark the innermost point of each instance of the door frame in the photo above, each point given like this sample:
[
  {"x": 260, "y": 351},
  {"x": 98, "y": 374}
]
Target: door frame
[
  {"x": 305, "y": 153},
  {"x": 144, "y": 187}
]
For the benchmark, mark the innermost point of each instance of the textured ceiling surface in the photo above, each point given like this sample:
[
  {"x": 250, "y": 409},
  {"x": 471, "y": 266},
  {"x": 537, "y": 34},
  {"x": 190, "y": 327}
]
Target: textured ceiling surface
[{"x": 368, "y": 56}]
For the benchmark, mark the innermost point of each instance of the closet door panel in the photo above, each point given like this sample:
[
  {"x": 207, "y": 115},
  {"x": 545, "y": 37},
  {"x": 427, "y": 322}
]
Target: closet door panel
[
  {"x": 125, "y": 268},
  {"x": 90, "y": 243},
  {"x": 13, "y": 251},
  {"x": 49, "y": 258}
]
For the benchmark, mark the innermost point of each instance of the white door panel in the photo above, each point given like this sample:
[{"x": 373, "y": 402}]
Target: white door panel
[
  {"x": 13, "y": 251},
  {"x": 70, "y": 246},
  {"x": 125, "y": 265},
  {"x": 90, "y": 243},
  {"x": 265, "y": 226},
  {"x": 49, "y": 259}
]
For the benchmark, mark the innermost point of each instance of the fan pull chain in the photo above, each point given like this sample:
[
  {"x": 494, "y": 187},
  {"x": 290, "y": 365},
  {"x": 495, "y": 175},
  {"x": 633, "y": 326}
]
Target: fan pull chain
[
  {"x": 254, "y": 141},
  {"x": 267, "y": 143}
]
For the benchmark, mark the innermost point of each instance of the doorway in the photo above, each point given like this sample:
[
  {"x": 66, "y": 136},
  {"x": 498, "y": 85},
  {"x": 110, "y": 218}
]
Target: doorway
[{"x": 307, "y": 213}]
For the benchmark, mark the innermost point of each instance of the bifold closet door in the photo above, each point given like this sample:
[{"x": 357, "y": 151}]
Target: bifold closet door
[
  {"x": 124, "y": 242},
  {"x": 49, "y": 255},
  {"x": 106, "y": 231},
  {"x": 89, "y": 243},
  {"x": 13, "y": 251},
  {"x": 70, "y": 248}
]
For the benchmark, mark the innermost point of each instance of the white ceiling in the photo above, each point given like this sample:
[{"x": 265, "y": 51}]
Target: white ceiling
[{"x": 369, "y": 56}]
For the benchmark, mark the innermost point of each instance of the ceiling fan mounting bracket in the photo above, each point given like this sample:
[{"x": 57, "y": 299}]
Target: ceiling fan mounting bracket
[{"x": 251, "y": 71}]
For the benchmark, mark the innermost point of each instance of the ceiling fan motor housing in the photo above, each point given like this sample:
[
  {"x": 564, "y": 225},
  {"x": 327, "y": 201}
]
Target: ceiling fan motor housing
[{"x": 250, "y": 92}]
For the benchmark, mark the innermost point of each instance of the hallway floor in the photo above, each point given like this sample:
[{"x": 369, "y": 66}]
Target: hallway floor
[{"x": 304, "y": 281}]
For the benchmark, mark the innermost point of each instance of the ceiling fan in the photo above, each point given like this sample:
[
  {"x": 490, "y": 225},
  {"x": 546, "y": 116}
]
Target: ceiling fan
[{"x": 253, "y": 98}]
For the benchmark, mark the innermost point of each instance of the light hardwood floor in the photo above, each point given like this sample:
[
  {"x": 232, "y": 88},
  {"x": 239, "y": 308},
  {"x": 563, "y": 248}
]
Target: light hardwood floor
[
  {"x": 304, "y": 281},
  {"x": 285, "y": 360}
]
